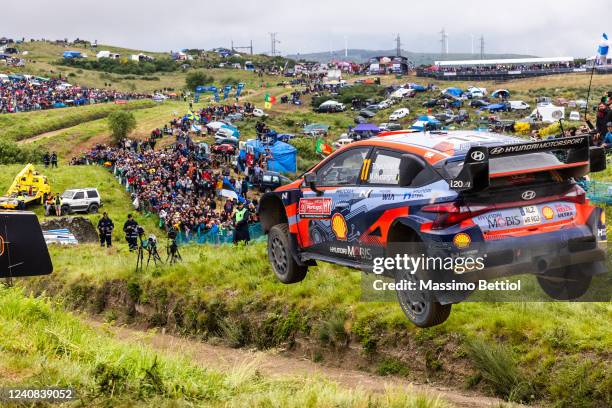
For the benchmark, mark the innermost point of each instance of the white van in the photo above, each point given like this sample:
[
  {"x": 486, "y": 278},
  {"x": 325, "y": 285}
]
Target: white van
[{"x": 519, "y": 105}]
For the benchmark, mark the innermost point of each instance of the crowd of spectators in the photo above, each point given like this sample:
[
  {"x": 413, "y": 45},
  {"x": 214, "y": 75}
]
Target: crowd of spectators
[
  {"x": 21, "y": 94},
  {"x": 483, "y": 69},
  {"x": 178, "y": 184}
]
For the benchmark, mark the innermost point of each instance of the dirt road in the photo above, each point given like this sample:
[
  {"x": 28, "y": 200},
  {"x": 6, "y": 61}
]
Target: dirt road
[{"x": 274, "y": 365}]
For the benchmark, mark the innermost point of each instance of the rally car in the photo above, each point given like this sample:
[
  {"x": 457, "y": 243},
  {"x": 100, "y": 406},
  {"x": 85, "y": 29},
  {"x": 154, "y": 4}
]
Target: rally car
[{"x": 516, "y": 203}]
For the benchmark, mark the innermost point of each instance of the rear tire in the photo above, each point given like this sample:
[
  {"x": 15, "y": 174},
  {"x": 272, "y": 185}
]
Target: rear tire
[
  {"x": 420, "y": 307},
  {"x": 284, "y": 266},
  {"x": 566, "y": 283}
]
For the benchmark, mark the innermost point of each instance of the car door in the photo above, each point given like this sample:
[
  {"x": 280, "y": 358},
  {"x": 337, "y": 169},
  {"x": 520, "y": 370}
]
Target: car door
[
  {"x": 322, "y": 225},
  {"x": 79, "y": 203}
]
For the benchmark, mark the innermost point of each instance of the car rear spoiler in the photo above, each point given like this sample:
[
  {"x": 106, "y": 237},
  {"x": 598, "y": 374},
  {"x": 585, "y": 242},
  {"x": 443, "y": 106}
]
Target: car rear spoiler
[{"x": 475, "y": 175}]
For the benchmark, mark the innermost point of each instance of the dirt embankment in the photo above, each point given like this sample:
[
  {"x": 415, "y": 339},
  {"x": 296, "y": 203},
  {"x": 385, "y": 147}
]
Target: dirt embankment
[{"x": 428, "y": 361}]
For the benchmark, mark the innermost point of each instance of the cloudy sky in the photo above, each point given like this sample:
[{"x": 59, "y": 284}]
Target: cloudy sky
[{"x": 538, "y": 27}]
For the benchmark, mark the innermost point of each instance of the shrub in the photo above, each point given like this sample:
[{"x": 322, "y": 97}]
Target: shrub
[{"x": 197, "y": 78}]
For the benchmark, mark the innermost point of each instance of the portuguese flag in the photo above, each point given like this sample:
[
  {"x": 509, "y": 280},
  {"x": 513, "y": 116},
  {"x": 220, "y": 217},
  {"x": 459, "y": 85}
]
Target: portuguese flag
[
  {"x": 269, "y": 101},
  {"x": 323, "y": 147}
]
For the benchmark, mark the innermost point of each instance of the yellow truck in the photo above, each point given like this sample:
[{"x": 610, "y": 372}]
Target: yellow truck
[{"x": 29, "y": 186}]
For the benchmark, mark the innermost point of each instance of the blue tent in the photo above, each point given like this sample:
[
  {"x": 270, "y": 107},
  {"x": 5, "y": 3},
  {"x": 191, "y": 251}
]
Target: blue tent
[
  {"x": 366, "y": 127},
  {"x": 454, "y": 91},
  {"x": 423, "y": 121},
  {"x": 234, "y": 131},
  {"x": 73, "y": 54},
  {"x": 501, "y": 93},
  {"x": 284, "y": 158}
]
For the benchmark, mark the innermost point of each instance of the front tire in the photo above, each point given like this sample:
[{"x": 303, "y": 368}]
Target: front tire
[
  {"x": 93, "y": 208},
  {"x": 284, "y": 266},
  {"x": 566, "y": 283}
]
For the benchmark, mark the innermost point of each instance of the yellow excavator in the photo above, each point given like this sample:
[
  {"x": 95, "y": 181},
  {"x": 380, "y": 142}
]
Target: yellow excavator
[{"x": 29, "y": 186}]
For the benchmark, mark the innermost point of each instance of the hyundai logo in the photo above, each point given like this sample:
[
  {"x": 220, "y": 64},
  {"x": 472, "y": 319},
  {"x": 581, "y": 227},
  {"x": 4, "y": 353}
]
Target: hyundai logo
[
  {"x": 528, "y": 195},
  {"x": 496, "y": 150},
  {"x": 477, "y": 155}
]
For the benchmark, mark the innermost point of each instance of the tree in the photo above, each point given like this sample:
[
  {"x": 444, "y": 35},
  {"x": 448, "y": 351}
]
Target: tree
[
  {"x": 197, "y": 78},
  {"x": 121, "y": 124}
]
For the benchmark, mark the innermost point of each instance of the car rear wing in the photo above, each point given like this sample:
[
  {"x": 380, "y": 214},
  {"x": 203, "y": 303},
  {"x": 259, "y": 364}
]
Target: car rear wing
[{"x": 578, "y": 160}]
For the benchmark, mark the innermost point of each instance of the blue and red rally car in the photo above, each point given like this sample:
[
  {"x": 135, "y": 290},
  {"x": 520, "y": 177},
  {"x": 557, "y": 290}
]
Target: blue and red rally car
[{"x": 515, "y": 203}]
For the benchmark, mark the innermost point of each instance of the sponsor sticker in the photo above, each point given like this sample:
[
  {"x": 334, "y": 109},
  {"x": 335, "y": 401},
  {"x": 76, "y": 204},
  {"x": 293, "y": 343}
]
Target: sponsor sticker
[
  {"x": 318, "y": 207},
  {"x": 548, "y": 212},
  {"x": 462, "y": 240},
  {"x": 565, "y": 211},
  {"x": 338, "y": 224}
]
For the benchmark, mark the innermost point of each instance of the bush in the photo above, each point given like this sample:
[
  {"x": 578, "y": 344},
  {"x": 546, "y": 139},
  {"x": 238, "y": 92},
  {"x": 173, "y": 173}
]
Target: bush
[
  {"x": 122, "y": 66},
  {"x": 121, "y": 124},
  {"x": 11, "y": 153},
  {"x": 197, "y": 78}
]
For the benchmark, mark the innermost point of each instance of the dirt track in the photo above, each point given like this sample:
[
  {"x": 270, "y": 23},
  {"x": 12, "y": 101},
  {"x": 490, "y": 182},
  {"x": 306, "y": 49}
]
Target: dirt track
[{"x": 274, "y": 365}]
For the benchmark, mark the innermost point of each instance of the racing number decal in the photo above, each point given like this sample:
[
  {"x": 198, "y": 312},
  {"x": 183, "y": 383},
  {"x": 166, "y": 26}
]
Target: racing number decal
[{"x": 365, "y": 169}]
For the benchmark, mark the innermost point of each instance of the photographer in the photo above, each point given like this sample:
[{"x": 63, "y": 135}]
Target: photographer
[
  {"x": 105, "y": 229},
  {"x": 130, "y": 228}
]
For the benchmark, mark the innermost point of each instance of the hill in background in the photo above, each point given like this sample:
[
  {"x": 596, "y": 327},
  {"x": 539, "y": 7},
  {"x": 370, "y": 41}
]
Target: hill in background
[{"x": 418, "y": 58}]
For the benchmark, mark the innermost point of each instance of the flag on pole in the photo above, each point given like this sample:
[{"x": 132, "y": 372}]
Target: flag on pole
[{"x": 323, "y": 147}]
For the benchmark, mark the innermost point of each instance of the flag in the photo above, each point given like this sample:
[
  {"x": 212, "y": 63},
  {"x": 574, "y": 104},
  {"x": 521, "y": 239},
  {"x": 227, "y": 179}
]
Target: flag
[
  {"x": 269, "y": 100},
  {"x": 323, "y": 147},
  {"x": 602, "y": 49}
]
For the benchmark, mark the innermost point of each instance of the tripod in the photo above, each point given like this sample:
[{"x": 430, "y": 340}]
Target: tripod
[
  {"x": 172, "y": 250},
  {"x": 153, "y": 254}
]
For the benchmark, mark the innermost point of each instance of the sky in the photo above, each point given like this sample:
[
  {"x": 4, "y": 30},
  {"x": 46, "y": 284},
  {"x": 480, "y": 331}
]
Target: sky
[{"x": 536, "y": 27}]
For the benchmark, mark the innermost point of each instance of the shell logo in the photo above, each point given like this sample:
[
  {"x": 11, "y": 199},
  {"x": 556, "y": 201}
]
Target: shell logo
[
  {"x": 603, "y": 217},
  {"x": 462, "y": 240},
  {"x": 548, "y": 213},
  {"x": 338, "y": 224},
  {"x": 1, "y": 245}
]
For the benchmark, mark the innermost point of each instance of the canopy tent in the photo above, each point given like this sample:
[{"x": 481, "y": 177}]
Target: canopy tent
[
  {"x": 72, "y": 54},
  {"x": 366, "y": 127},
  {"x": 453, "y": 91},
  {"x": 284, "y": 158},
  {"x": 501, "y": 93},
  {"x": 423, "y": 122},
  {"x": 231, "y": 130},
  {"x": 215, "y": 125}
]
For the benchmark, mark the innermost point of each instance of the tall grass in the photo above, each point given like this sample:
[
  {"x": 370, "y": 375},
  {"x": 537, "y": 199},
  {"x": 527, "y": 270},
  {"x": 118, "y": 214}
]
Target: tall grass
[{"x": 41, "y": 346}]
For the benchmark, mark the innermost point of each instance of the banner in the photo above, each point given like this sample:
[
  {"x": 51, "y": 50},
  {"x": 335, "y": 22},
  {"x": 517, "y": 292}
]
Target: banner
[
  {"x": 239, "y": 89},
  {"x": 226, "y": 91}
]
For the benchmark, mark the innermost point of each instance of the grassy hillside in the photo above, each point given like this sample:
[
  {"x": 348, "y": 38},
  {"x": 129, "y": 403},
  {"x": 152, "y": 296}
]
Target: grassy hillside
[
  {"x": 42, "y": 346},
  {"x": 23, "y": 125}
]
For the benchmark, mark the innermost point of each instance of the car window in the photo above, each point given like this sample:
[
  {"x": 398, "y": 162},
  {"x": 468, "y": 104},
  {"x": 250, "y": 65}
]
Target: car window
[
  {"x": 92, "y": 194},
  {"x": 79, "y": 196},
  {"x": 344, "y": 169},
  {"x": 67, "y": 194},
  {"x": 385, "y": 168}
]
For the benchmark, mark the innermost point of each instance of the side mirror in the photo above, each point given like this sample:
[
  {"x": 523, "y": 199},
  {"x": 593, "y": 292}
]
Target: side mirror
[
  {"x": 597, "y": 159},
  {"x": 310, "y": 180}
]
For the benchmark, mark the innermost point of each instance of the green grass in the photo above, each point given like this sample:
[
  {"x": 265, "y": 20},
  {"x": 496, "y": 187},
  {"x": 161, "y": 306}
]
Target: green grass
[
  {"x": 24, "y": 125},
  {"x": 42, "y": 346}
]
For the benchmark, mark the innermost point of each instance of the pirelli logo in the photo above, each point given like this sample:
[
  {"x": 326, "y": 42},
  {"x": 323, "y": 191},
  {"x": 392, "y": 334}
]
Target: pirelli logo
[
  {"x": 365, "y": 169},
  {"x": 563, "y": 143}
]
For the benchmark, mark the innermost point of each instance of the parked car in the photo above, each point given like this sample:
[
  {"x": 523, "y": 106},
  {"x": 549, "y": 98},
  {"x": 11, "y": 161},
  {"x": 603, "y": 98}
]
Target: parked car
[
  {"x": 574, "y": 115},
  {"x": 224, "y": 148},
  {"x": 385, "y": 104},
  {"x": 259, "y": 113},
  {"x": 366, "y": 113},
  {"x": 271, "y": 180},
  {"x": 431, "y": 103},
  {"x": 389, "y": 126},
  {"x": 342, "y": 142},
  {"x": 518, "y": 105},
  {"x": 236, "y": 116},
  {"x": 478, "y": 103},
  {"x": 330, "y": 107},
  {"x": 399, "y": 114},
  {"x": 373, "y": 107},
  {"x": 360, "y": 120},
  {"x": 81, "y": 200}
]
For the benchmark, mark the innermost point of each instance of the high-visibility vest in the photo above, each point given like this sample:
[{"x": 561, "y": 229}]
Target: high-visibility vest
[{"x": 240, "y": 214}]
